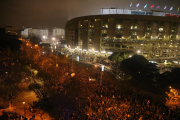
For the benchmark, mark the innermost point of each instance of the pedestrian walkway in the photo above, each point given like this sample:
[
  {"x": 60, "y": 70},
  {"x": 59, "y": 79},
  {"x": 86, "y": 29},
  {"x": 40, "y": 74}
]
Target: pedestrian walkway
[{"x": 20, "y": 105}]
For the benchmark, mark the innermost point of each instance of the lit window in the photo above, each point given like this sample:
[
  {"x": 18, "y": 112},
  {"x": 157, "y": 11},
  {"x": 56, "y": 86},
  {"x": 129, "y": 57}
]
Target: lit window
[
  {"x": 160, "y": 29},
  {"x": 119, "y": 26},
  {"x": 135, "y": 27}
]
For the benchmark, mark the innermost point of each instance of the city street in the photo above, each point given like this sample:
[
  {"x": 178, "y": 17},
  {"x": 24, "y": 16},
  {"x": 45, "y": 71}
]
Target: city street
[{"x": 26, "y": 97}]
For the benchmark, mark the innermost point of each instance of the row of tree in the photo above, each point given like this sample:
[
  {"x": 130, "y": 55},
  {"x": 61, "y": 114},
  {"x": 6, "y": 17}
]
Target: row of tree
[
  {"x": 139, "y": 67},
  {"x": 11, "y": 44}
]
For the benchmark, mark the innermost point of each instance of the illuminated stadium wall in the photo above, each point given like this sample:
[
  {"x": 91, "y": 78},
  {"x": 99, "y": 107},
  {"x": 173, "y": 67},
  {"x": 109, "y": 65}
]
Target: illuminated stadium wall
[{"x": 153, "y": 36}]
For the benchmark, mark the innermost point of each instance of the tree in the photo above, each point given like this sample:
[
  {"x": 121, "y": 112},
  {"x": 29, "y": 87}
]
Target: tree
[
  {"x": 175, "y": 76},
  {"x": 173, "y": 98},
  {"x": 138, "y": 67},
  {"x": 119, "y": 56},
  {"x": 13, "y": 44},
  {"x": 46, "y": 46},
  {"x": 35, "y": 40}
]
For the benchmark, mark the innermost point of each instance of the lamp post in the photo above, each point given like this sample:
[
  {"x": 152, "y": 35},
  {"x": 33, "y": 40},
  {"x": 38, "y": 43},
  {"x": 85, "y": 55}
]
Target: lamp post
[
  {"x": 24, "y": 109},
  {"x": 72, "y": 60},
  {"x": 138, "y": 51},
  {"x": 101, "y": 74},
  {"x": 78, "y": 59}
]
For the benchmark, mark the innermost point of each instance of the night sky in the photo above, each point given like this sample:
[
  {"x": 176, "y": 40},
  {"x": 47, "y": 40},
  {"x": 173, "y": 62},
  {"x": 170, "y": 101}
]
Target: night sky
[{"x": 55, "y": 13}]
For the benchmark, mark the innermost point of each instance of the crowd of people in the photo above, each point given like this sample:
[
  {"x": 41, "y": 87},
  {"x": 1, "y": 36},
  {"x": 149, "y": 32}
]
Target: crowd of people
[
  {"x": 108, "y": 101},
  {"x": 92, "y": 100},
  {"x": 68, "y": 90},
  {"x": 14, "y": 116}
]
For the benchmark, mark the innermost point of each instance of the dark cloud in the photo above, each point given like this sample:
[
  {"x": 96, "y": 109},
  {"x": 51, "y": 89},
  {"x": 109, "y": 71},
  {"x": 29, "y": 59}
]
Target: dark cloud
[{"x": 55, "y": 13}]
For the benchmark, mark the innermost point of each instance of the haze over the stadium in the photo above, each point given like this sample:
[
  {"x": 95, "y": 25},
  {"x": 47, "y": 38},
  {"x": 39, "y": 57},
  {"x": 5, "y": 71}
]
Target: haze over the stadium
[{"x": 55, "y": 13}]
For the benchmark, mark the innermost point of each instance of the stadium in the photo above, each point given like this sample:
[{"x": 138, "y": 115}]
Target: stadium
[{"x": 153, "y": 34}]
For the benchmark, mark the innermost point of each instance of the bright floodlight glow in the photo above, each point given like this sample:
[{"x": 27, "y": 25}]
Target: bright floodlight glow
[
  {"x": 110, "y": 52},
  {"x": 102, "y": 67},
  {"x": 77, "y": 58},
  {"x": 53, "y": 38},
  {"x": 138, "y": 51},
  {"x": 44, "y": 37},
  {"x": 103, "y": 51},
  {"x": 90, "y": 50}
]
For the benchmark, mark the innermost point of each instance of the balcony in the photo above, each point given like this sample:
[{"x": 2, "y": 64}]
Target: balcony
[
  {"x": 91, "y": 34},
  {"x": 118, "y": 35},
  {"x": 104, "y": 35}
]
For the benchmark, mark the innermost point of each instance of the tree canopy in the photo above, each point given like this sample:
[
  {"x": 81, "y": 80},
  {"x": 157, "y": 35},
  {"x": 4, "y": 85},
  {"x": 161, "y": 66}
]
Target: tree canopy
[
  {"x": 35, "y": 40},
  {"x": 138, "y": 67},
  {"x": 119, "y": 56},
  {"x": 13, "y": 44}
]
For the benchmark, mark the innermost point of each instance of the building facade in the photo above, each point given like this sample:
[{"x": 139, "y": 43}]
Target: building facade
[
  {"x": 59, "y": 34},
  {"x": 151, "y": 36},
  {"x": 8, "y": 32},
  {"x": 30, "y": 32}
]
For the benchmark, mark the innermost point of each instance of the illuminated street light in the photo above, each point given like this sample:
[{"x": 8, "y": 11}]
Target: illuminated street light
[
  {"x": 138, "y": 51},
  {"x": 53, "y": 38},
  {"x": 101, "y": 74},
  {"x": 44, "y": 37},
  {"x": 24, "y": 109},
  {"x": 78, "y": 59},
  {"x": 102, "y": 67}
]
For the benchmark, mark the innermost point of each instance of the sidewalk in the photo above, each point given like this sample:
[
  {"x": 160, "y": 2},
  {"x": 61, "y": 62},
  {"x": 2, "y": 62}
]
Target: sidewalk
[{"x": 23, "y": 109}]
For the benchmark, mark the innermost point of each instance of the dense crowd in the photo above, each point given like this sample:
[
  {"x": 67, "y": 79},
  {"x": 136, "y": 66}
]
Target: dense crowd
[
  {"x": 75, "y": 97},
  {"x": 108, "y": 101}
]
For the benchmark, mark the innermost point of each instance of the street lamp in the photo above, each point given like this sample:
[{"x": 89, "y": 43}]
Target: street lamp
[
  {"x": 53, "y": 38},
  {"x": 24, "y": 109},
  {"x": 78, "y": 59},
  {"x": 138, "y": 51},
  {"x": 44, "y": 37},
  {"x": 102, "y": 69}
]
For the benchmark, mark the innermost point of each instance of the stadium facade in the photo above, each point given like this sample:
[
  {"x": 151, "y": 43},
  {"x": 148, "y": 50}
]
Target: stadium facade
[{"x": 153, "y": 34}]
